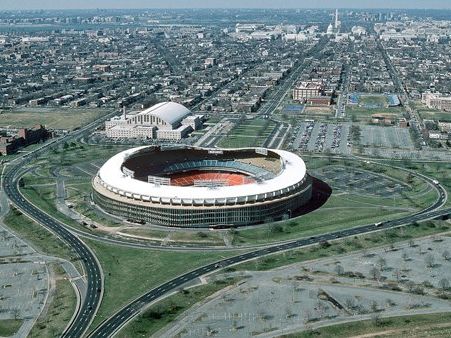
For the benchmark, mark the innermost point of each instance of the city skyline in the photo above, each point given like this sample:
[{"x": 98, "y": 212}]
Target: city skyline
[
  {"x": 227, "y": 172},
  {"x": 84, "y": 4}
]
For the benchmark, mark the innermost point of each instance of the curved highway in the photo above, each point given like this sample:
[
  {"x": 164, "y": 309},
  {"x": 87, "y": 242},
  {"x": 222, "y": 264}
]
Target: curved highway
[
  {"x": 111, "y": 325},
  {"x": 441, "y": 192},
  {"x": 91, "y": 266},
  {"x": 92, "y": 269}
]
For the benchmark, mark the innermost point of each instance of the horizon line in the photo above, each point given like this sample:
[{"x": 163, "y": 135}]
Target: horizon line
[{"x": 222, "y": 8}]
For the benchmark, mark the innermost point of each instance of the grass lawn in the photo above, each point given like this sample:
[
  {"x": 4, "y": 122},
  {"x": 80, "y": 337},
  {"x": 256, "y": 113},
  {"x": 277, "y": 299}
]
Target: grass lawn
[
  {"x": 435, "y": 115},
  {"x": 74, "y": 153},
  {"x": 440, "y": 171},
  {"x": 431, "y": 325},
  {"x": 373, "y": 100},
  {"x": 207, "y": 237},
  {"x": 30, "y": 180},
  {"x": 41, "y": 239},
  {"x": 344, "y": 246},
  {"x": 55, "y": 118},
  {"x": 363, "y": 114},
  {"x": 322, "y": 111},
  {"x": 317, "y": 222},
  {"x": 79, "y": 196},
  {"x": 131, "y": 272},
  {"x": 9, "y": 327},
  {"x": 52, "y": 322},
  {"x": 44, "y": 198},
  {"x": 151, "y": 233},
  {"x": 198, "y": 237},
  {"x": 337, "y": 213},
  {"x": 248, "y": 134},
  {"x": 167, "y": 310}
]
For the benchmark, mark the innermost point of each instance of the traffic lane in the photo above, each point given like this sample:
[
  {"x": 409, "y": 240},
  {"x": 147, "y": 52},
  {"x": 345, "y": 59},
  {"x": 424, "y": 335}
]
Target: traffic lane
[
  {"x": 80, "y": 324},
  {"x": 127, "y": 313},
  {"x": 173, "y": 284},
  {"x": 92, "y": 267}
]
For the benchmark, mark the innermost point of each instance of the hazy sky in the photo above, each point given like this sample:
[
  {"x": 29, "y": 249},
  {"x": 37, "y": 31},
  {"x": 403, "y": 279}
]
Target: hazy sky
[{"x": 66, "y": 4}]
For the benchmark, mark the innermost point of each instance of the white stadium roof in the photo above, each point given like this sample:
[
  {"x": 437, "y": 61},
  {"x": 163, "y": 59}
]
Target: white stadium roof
[
  {"x": 170, "y": 112},
  {"x": 293, "y": 172}
]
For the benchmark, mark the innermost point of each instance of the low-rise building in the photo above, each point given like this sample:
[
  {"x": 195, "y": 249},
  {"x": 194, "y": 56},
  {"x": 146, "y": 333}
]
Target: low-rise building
[
  {"x": 24, "y": 137},
  {"x": 444, "y": 126},
  {"x": 166, "y": 120},
  {"x": 307, "y": 89},
  {"x": 385, "y": 119},
  {"x": 436, "y": 101},
  {"x": 174, "y": 134},
  {"x": 436, "y": 135},
  {"x": 132, "y": 131},
  {"x": 319, "y": 101}
]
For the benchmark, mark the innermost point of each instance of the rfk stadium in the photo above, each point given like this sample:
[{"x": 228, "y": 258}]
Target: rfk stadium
[{"x": 198, "y": 187}]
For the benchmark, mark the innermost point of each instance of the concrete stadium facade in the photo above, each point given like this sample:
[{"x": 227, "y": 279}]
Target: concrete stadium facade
[{"x": 142, "y": 184}]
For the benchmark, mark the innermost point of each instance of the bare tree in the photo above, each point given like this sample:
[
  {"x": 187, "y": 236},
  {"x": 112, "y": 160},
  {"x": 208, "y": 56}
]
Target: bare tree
[
  {"x": 375, "y": 273},
  {"x": 16, "y": 313},
  {"x": 382, "y": 263},
  {"x": 374, "y": 306},
  {"x": 308, "y": 317},
  {"x": 405, "y": 256},
  {"x": 390, "y": 302},
  {"x": 350, "y": 303},
  {"x": 430, "y": 261},
  {"x": 339, "y": 270},
  {"x": 289, "y": 313},
  {"x": 376, "y": 319},
  {"x": 444, "y": 284},
  {"x": 446, "y": 255},
  {"x": 397, "y": 274},
  {"x": 410, "y": 285}
]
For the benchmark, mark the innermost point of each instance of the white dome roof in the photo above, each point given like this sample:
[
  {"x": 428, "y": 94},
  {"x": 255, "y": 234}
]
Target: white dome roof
[{"x": 170, "y": 112}]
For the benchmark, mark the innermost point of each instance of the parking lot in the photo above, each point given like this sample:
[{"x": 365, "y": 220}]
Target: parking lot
[
  {"x": 410, "y": 154},
  {"x": 359, "y": 181},
  {"x": 386, "y": 137},
  {"x": 23, "y": 282},
  {"x": 383, "y": 282},
  {"x": 321, "y": 137}
]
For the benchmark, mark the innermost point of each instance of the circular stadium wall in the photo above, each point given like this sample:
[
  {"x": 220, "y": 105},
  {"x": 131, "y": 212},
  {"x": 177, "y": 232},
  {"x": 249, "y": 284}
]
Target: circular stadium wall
[{"x": 198, "y": 187}]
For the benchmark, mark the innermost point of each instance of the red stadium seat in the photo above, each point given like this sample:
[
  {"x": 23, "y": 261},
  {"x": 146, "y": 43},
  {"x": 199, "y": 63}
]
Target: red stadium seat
[{"x": 188, "y": 178}]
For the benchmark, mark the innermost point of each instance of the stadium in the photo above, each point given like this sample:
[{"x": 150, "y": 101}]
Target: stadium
[{"x": 187, "y": 186}]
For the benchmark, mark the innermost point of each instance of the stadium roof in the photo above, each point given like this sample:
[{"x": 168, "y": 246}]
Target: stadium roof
[
  {"x": 111, "y": 174},
  {"x": 170, "y": 112}
]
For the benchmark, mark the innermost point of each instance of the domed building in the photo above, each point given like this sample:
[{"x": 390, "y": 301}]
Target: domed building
[
  {"x": 165, "y": 120},
  {"x": 183, "y": 186},
  {"x": 330, "y": 29}
]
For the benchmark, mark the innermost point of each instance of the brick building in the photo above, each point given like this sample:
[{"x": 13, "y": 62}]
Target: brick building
[
  {"x": 307, "y": 89},
  {"x": 24, "y": 137}
]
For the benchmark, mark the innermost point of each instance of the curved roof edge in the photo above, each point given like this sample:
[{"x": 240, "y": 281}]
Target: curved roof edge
[
  {"x": 170, "y": 112},
  {"x": 294, "y": 171}
]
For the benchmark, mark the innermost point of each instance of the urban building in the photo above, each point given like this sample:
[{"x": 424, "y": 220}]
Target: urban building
[
  {"x": 24, "y": 137},
  {"x": 166, "y": 120},
  {"x": 436, "y": 101},
  {"x": 201, "y": 187},
  {"x": 308, "y": 89}
]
